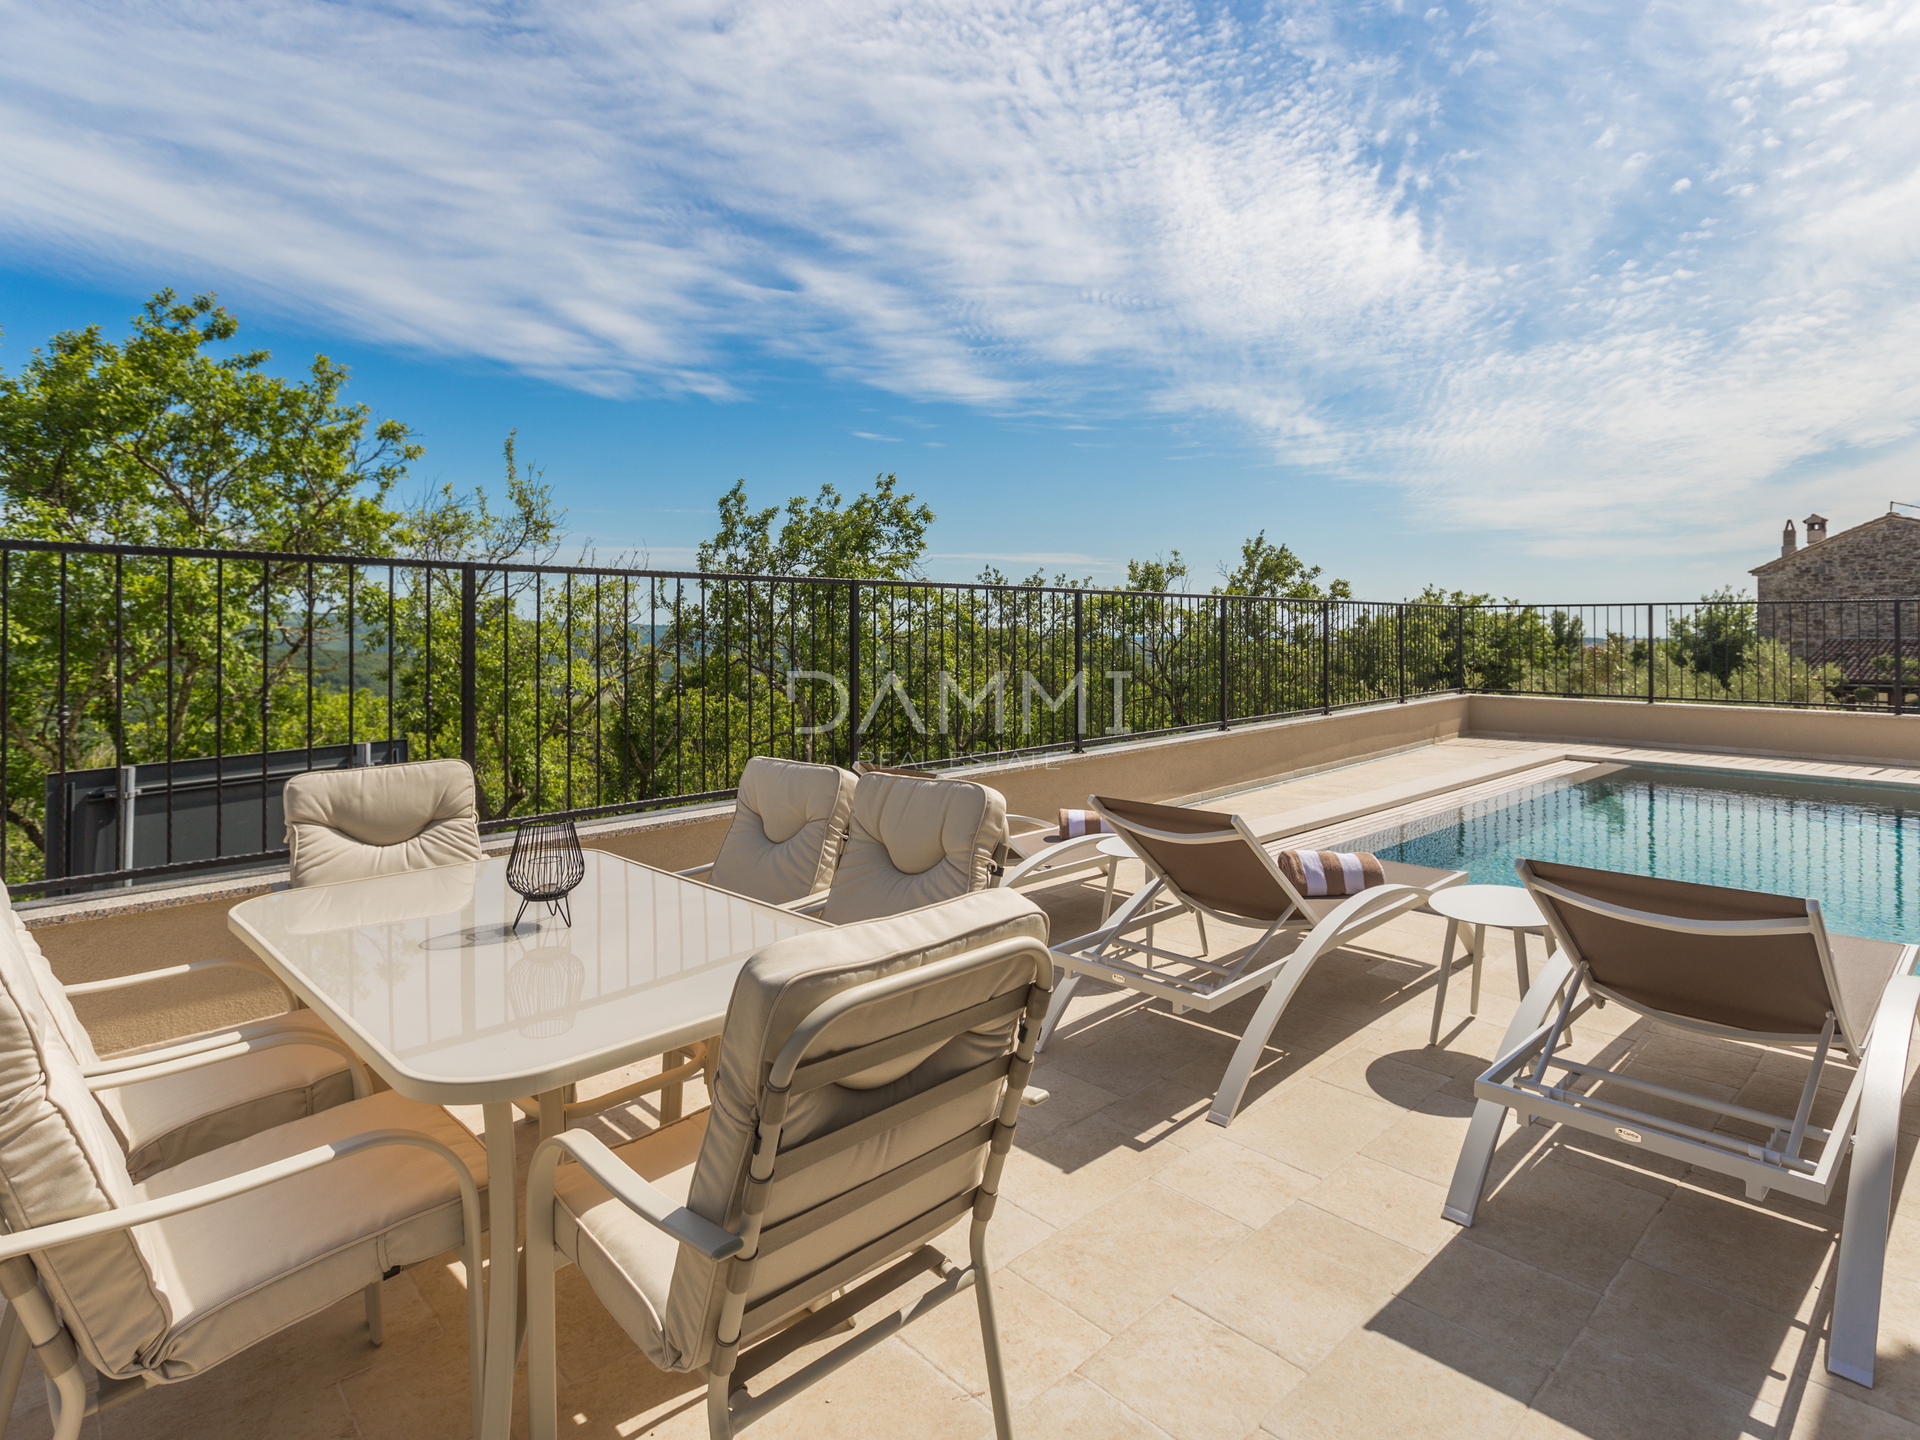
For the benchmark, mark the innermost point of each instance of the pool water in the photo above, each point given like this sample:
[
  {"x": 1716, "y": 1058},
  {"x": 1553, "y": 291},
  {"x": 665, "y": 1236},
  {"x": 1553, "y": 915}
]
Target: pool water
[{"x": 1854, "y": 847}]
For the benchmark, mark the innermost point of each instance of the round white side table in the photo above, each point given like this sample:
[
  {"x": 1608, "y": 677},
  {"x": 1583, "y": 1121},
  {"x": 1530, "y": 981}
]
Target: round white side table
[{"x": 1478, "y": 908}]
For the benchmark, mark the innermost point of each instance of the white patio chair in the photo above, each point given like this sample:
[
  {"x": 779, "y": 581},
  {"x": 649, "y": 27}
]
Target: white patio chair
[
  {"x": 199, "y": 1091},
  {"x": 1032, "y": 851},
  {"x": 380, "y": 820},
  {"x": 868, "y": 1084},
  {"x": 1209, "y": 864},
  {"x": 156, "y": 1282},
  {"x": 1741, "y": 967},
  {"x": 911, "y": 843},
  {"x": 789, "y": 823}
]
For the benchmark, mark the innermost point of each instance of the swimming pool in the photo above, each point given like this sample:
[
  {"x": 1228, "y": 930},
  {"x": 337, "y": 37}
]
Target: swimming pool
[{"x": 1854, "y": 847}]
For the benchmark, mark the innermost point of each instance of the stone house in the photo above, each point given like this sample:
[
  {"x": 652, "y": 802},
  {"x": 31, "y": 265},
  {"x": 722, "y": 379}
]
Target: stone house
[{"x": 1832, "y": 599}]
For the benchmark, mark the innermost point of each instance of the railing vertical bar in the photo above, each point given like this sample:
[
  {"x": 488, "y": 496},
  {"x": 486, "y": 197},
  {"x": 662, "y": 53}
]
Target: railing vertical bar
[
  {"x": 119, "y": 666},
  {"x": 505, "y": 807},
  {"x": 539, "y": 688},
  {"x": 426, "y": 737},
  {"x": 6, "y": 708},
  {"x": 1899, "y": 663},
  {"x": 470, "y": 669},
  {"x": 353, "y": 644},
  {"x": 1079, "y": 668},
  {"x": 567, "y": 713},
  {"x": 1400, "y": 646},
  {"x": 853, "y": 672},
  {"x": 169, "y": 720},
  {"x": 1650, "y": 655},
  {"x": 393, "y": 599},
  {"x": 266, "y": 662},
  {"x": 310, "y": 648},
  {"x": 219, "y": 706}
]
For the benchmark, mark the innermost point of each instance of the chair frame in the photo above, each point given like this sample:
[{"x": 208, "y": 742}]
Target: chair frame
[
  {"x": 32, "y": 1321},
  {"x": 730, "y": 1408},
  {"x": 1208, "y": 985},
  {"x": 1866, "y": 1125}
]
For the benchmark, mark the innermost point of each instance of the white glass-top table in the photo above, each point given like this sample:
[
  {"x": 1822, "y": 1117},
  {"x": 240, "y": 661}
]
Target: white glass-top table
[{"x": 420, "y": 975}]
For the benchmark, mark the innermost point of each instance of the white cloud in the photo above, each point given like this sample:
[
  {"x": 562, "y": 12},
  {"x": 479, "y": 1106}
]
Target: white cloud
[{"x": 1397, "y": 252}]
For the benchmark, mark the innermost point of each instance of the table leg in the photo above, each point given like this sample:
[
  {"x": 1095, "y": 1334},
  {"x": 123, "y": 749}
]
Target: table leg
[
  {"x": 671, "y": 1097},
  {"x": 553, "y": 1113},
  {"x": 1106, "y": 903},
  {"x": 1520, "y": 959},
  {"x": 503, "y": 1273},
  {"x": 1446, "y": 967},
  {"x": 1479, "y": 954}
]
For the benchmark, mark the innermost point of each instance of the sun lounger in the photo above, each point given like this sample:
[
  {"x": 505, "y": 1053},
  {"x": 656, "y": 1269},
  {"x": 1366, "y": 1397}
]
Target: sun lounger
[
  {"x": 1741, "y": 967},
  {"x": 1209, "y": 864}
]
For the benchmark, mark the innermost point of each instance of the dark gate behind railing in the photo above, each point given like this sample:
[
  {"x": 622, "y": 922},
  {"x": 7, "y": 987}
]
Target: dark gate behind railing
[{"x": 581, "y": 691}]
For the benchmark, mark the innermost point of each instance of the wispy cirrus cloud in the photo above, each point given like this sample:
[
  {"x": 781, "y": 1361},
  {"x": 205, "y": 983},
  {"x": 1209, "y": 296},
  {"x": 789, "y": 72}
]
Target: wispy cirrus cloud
[{"x": 1594, "y": 274}]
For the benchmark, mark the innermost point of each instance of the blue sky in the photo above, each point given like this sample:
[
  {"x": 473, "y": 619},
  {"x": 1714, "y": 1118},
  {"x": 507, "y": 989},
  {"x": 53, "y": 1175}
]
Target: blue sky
[{"x": 1560, "y": 300}]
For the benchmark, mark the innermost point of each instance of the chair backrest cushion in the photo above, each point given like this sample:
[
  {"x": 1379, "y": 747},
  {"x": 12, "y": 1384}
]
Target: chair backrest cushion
[
  {"x": 380, "y": 820},
  {"x": 789, "y": 822},
  {"x": 59, "y": 1009},
  {"x": 1770, "y": 985},
  {"x": 777, "y": 989},
  {"x": 59, "y": 1160},
  {"x": 915, "y": 842},
  {"x": 1223, "y": 874}
]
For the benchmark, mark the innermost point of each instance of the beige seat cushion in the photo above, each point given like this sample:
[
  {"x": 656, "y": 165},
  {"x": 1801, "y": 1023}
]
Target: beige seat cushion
[
  {"x": 236, "y": 1272},
  {"x": 912, "y": 843},
  {"x": 789, "y": 823},
  {"x": 627, "y": 1261},
  {"x": 163, "y": 1122},
  {"x": 380, "y": 820}
]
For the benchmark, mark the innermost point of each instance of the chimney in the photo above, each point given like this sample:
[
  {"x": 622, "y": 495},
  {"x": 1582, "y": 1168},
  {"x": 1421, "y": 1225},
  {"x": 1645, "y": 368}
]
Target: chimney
[
  {"x": 1816, "y": 529},
  {"x": 1788, "y": 544}
]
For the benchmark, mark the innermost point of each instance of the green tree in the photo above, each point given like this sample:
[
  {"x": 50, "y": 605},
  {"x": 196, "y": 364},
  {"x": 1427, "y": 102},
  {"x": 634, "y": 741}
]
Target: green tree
[
  {"x": 161, "y": 440},
  {"x": 1274, "y": 570},
  {"x": 879, "y": 534},
  {"x": 1718, "y": 638}
]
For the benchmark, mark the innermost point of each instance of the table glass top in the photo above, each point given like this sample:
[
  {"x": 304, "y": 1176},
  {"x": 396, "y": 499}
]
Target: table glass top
[{"x": 424, "y": 973}]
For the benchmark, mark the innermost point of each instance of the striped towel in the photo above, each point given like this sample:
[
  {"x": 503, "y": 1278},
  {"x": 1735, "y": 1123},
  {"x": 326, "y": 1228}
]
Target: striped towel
[
  {"x": 1079, "y": 822},
  {"x": 1330, "y": 872}
]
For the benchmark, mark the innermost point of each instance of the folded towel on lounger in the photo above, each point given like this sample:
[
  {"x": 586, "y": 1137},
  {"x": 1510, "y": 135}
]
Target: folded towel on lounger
[
  {"x": 1080, "y": 822},
  {"x": 1330, "y": 872}
]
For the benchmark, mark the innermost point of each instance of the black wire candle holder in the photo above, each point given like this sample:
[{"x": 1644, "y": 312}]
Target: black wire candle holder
[{"x": 546, "y": 864}]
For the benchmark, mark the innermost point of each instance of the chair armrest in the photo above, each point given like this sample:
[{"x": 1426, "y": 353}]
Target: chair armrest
[
  {"x": 163, "y": 1050},
  {"x": 1030, "y": 820},
  {"x": 169, "y": 972},
  {"x": 628, "y": 1188},
  {"x": 136, "y": 1068},
  {"x": 46, "y": 1237}
]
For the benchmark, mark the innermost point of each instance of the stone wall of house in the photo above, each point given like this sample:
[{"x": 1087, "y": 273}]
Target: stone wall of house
[{"x": 1825, "y": 592}]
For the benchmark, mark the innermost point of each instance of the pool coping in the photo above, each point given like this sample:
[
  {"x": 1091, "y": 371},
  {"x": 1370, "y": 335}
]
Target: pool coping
[{"x": 1328, "y": 821}]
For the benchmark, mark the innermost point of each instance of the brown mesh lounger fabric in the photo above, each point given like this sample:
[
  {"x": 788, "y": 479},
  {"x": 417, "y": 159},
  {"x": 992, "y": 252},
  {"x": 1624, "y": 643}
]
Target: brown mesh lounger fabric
[
  {"x": 1209, "y": 863},
  {"x": 1744, "y": 967}
]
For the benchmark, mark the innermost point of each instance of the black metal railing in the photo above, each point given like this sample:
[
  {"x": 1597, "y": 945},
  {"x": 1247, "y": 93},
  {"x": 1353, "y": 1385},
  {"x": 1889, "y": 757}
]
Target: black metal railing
[{"x": 154, "y": 700}]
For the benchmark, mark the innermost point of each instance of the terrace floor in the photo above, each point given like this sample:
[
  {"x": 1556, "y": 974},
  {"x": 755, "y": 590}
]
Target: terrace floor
[{"x": 1287, "y": 1276}]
